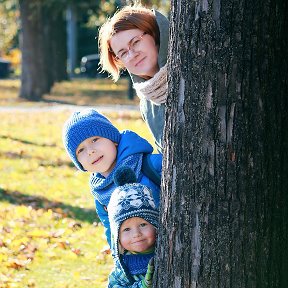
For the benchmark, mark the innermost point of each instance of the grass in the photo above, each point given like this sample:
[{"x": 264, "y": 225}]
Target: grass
[
  {"x": 50, "y": 235},
  {"x": 76, "y": 92}
]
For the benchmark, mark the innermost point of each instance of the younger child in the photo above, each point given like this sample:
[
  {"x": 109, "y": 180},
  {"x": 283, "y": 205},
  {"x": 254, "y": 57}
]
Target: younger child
[
  {"x": 96, "y": 146},
  {"x": 134, "y": 219}
]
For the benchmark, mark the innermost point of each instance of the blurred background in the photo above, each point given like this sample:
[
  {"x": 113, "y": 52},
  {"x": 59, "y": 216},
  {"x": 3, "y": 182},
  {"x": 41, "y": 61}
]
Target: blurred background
[{"x": 48, "y": 41}]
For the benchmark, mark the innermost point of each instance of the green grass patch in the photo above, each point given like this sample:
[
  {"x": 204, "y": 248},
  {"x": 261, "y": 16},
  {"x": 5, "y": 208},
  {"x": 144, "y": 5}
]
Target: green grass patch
[{"x": 50, "y": 235}]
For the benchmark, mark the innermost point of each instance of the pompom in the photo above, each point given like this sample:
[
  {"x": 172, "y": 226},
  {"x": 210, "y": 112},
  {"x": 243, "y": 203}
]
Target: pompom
[{"x": 124, "y": 175}]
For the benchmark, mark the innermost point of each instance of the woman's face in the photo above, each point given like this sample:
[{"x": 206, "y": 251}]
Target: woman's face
[{"x": 137, "y": 52}]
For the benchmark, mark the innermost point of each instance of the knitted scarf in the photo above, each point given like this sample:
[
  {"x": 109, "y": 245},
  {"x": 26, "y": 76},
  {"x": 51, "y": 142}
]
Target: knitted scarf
[
  {"x": 154, "y": 89},
  {"x": 102, "y": 187},
  {"x": 137, "y": 263}
]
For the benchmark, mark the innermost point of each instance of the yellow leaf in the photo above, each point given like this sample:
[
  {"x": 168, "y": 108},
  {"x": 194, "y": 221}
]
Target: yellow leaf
[
  {"x": 22, "y": 211},
  {"x": 76, "y": 274},
  {"x": 38, "y": 233}
]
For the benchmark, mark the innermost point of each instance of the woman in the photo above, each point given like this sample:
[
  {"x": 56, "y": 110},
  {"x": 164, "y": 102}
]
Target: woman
[{"x": 136, "y": 39}]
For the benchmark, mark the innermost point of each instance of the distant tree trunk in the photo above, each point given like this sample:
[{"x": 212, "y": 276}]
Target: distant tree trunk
[
  {"x": 224, "y": 213},
  {"x": 59, "y": 46},
  {"x": 33, "y": 76},
  {"x": 46, "y": 51},
  {"x": 72, "y": 37},
  {"x": 55, "y": 52},
  {"x": 43, "y": 48}
]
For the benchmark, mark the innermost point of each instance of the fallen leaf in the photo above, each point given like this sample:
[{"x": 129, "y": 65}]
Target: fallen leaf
[
  {"x": 76, "y": 251},
  {"x": 17, "y": 264},
  {"x": 58, "y": 233},
  {"x": 38, "y": 233},
  {"x": 75, "y": 226},
  {"x": 63, "y": 245},
  {"x": 2, "y": 244},
  {"x": 106, "y": 250}
]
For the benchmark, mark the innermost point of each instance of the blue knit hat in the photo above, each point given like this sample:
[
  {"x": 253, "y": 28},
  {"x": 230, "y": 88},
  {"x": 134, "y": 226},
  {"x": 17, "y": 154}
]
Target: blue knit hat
[
  {"x": 129, "y": 200},
  {"x": 85, "y": 124}
]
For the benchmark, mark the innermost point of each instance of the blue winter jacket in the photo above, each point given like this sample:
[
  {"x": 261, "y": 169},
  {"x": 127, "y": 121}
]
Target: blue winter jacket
[{"x": 130, "y": 151}]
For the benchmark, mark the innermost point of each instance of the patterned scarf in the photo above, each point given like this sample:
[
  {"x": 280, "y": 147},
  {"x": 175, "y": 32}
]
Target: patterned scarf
[{"x": 102, "y": 187}]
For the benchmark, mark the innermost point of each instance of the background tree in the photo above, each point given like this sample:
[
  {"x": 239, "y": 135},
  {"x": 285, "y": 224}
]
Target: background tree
[
  {"x": 44, "y": 39},
  {"x": 8, "y": 25},
  {"x": 44, "y": 51},
  {"x": 43, "y": 47},
  {"x": 224, "y": 219}
]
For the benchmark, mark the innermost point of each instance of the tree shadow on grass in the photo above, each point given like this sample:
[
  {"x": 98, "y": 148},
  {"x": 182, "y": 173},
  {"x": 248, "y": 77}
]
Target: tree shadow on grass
[
  {"x": 57, "y": 101},
  {"x": 39, "y": 202},
  {"x": 26, "y": 141},
  {"x": 43, "y": 162}
]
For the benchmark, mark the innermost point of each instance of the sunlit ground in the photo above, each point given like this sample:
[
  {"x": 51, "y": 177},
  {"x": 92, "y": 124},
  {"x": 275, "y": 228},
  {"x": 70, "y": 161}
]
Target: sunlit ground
[
  {"x": 77, "y": 91},
  {"x": 49, "y": 232}
]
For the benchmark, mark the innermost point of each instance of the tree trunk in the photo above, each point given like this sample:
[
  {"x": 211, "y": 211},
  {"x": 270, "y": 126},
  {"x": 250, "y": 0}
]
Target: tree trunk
[
  {"x": 55, "y": 50},
  {"x": 33, "y": 74},
  {"x": 43, "y": 48},
  {"x": 59, "y": 46},
  {"x": 224, "y": 212}
]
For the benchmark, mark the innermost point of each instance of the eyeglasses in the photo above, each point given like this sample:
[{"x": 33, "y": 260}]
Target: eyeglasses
[{"x": 133, "y": 45}]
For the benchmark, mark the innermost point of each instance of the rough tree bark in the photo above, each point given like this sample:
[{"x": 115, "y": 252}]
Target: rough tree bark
[{"x": 224, "y": 213}]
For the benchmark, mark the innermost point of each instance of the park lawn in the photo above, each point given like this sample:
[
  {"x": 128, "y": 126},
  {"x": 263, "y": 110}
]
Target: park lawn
[
  {"x": 50, "y": 235},
  {"x": 79, "y": 91}
]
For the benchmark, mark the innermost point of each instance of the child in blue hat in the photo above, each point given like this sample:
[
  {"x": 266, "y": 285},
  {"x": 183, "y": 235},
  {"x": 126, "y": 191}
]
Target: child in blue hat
[
  {"x": 96, "y": 146},
  {"x": 134, "y": 222}
]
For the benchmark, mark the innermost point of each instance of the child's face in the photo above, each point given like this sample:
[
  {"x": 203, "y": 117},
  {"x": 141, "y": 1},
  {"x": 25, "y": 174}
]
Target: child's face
[
  {"x": 97, "y": 154},
  {"x": 137, "y": 235}
]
